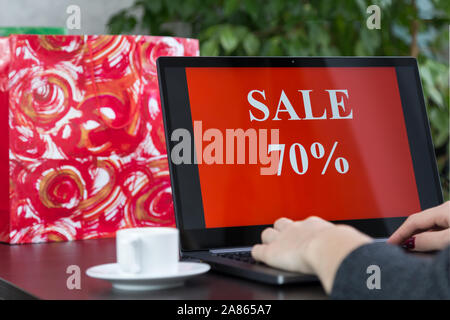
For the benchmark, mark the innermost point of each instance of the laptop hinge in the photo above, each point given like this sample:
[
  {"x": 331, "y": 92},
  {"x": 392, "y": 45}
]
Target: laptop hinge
[
  {"x": 225, "y": 250},
  {"x": 240, "y": 249}
]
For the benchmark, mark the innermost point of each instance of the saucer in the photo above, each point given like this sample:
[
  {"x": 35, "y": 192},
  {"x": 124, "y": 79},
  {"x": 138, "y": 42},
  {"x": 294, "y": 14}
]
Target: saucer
[{"x": 124, "y": 281}]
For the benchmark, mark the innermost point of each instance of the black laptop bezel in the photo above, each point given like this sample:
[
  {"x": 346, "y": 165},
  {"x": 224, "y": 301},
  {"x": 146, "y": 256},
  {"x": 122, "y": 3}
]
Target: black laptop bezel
[{"x": 189, "y": 193}]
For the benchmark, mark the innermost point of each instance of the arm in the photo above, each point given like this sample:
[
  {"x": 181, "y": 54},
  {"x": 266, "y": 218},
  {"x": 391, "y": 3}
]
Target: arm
[
  {"x": 402, "y": 275},
  {"x": 338, "y": 253},
  {"x": 311, "y": 246}
]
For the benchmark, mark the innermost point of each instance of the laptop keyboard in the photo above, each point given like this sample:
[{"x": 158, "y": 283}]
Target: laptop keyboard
[{"x": 243, "y": 256}]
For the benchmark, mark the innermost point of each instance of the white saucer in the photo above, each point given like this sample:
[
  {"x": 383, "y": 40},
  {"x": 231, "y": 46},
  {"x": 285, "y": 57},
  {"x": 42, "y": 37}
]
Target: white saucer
[{"x": 124, "y": 281}]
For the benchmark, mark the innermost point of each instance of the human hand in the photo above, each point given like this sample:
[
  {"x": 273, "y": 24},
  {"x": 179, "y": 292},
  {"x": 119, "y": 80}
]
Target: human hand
[
  {"x": 425, "y": 231},
  {"x": 311, "y": 246},
  {"x": 285, "y": 245}
]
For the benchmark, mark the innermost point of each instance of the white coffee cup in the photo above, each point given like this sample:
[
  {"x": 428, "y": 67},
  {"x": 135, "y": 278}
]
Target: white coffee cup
[{"x": 150, "y": 251}]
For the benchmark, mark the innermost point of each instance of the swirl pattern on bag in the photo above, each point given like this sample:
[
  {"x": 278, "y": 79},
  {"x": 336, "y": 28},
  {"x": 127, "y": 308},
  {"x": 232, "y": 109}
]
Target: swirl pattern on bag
[{"x": 87, "y": 152}]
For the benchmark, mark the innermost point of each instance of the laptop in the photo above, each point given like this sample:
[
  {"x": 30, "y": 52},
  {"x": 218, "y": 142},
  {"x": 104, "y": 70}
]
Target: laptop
[{"x": 252, "y": 139}]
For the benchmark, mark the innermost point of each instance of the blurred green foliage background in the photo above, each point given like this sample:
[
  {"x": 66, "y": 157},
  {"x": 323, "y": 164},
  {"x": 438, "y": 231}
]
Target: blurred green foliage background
[{"x": 417, "y": 28}]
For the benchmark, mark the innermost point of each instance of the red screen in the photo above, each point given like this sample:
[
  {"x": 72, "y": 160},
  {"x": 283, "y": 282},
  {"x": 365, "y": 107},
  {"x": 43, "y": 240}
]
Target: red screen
[{"x": 346, "y": 152}]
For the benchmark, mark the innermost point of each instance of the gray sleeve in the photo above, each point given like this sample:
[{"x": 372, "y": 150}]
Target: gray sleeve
[{"x": 401, "y": 275}]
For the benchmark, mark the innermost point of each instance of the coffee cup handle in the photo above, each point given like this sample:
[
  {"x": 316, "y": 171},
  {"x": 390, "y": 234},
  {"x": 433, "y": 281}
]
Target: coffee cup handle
[{"x": 132, "y": 246}]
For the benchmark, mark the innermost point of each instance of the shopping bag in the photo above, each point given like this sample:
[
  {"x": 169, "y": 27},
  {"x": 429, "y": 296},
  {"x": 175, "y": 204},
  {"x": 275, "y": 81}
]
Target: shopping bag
[{"x": 83, "y": 143}]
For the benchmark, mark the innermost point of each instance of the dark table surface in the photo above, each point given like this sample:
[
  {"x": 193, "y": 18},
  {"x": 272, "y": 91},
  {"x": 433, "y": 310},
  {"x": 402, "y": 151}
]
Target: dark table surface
[{"x": 40, "y": 271}]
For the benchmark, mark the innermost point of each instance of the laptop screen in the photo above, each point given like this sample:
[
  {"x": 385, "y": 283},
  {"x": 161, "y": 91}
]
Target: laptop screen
[
  {"x": 342, "y": 151},
  {"x": 345, "y": 139}
]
